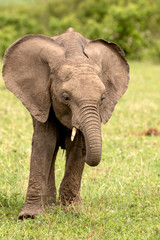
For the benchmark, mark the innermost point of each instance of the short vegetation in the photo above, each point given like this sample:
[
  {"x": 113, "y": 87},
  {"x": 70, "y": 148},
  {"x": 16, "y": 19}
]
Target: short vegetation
[{"x": 121, "y": 196}]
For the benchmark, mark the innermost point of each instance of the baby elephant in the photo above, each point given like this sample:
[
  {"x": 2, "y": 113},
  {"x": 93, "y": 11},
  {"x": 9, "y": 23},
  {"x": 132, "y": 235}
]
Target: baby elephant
[{"x": 69, "y": 84}]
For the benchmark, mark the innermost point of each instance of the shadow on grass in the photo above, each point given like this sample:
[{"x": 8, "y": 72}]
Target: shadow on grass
[{"x": 10, "y": 205}]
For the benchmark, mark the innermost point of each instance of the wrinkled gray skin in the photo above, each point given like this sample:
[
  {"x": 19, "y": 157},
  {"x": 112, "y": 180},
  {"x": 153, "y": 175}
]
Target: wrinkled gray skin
[{"x": 64, "y": 81}]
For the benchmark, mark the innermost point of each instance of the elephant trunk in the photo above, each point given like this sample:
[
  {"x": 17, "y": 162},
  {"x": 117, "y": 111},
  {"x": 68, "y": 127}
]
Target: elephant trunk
[{"x": 91, "y": 129}]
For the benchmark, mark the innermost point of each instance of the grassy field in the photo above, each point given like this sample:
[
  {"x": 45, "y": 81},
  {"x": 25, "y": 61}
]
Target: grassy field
[{"x": 121, "y": 196}]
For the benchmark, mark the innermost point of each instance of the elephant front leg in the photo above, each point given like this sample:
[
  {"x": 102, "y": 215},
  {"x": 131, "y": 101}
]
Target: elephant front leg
[
  {"x": 69, "y": 192},
  {"x": 41, "y": 187}
]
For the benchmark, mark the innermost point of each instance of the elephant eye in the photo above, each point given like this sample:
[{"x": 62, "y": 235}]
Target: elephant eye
[
  {"x": 103, "y": 97},
  {"x": 65, "y": 97}
]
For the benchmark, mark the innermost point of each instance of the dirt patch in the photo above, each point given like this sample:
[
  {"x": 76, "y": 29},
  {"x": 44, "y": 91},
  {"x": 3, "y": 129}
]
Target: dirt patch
[{"x": 150, "y": 132}]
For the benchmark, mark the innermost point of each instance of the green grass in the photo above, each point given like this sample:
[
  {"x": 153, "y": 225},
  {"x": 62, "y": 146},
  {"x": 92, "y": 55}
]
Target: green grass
[{"x": 121, "y": 196}]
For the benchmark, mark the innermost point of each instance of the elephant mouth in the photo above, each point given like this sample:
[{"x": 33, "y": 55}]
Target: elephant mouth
[{"x": 83, "y": 146}]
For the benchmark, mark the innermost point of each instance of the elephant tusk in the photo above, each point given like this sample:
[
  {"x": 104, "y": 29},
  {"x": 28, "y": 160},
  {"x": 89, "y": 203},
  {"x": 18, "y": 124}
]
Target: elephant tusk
[{"x": 74, "y": 130}]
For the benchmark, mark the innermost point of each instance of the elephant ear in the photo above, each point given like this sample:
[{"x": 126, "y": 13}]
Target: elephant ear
[
  {"x": 114, "y": 72},
  {"x": 27, "y": 66}
]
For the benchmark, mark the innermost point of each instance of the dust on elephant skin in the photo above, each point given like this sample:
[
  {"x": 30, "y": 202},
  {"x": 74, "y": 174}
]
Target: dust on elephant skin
[{"x": 69, "y": 84}]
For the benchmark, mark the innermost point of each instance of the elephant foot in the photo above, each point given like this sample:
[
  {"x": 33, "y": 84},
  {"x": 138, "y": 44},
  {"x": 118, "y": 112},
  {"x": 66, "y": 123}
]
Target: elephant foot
[
  {"x": 71, "y": 201},
  {"x": 74, "y": 206},
  {"x": 30, "y": 212}
]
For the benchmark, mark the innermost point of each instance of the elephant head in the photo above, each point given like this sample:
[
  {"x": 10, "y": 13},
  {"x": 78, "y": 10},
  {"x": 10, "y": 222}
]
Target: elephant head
[{"x": 80, "y": 79}]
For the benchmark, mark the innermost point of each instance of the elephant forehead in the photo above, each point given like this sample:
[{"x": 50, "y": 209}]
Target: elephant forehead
[
  {"x": 89, "y": 86},
  {"x": 67, "y": 72}
]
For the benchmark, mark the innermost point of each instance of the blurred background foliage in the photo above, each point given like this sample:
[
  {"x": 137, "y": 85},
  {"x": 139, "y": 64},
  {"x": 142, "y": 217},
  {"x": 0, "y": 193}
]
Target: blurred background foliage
[{"x": 134, "y": 25}]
